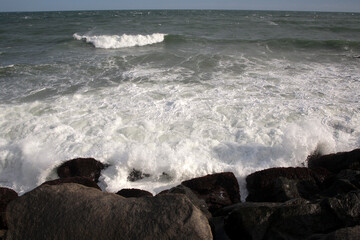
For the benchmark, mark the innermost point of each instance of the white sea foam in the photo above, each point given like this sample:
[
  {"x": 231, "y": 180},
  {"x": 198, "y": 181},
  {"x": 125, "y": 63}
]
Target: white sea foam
[
  {"x": 184, "y": 131},
  {"x": 182, "y": 120},
  {"x": 7, "y": 66},
  {"x": 272, "y": 23},
  {"x": 123, "y": 41}
]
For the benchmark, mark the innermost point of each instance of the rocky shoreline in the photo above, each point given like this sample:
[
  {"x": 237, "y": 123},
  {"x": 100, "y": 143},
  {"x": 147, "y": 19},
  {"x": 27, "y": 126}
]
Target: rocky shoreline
[{"x": 318, "y": 202}]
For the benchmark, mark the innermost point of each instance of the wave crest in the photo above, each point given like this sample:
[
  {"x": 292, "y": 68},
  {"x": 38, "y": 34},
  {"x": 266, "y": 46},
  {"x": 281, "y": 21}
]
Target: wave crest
[{"x": 123, "y": 41}]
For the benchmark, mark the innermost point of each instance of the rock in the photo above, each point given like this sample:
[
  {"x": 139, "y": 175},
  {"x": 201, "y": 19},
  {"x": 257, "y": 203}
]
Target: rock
[
  {"x": 79, "y": 180},
  {"x": 345, "y": 207},
  {"x": 249, "y": 220},
  {"x": 6, "y": 196},
  {"x": 136, "y": 193},
  {"x": 136, "y": 175},
  {"x": 283, "y": 184},
  {"x": 294, "y": 219},
  {"x": 299, "y": 221},
  {"x": 199, "y": 203},
  {"x": 2, "y": 234},
  {"x": 350, "y": 233},
  {"x": 345, "y": 181},
  {"x": 81, "y": 167},
  {"x": 218, "y": 190},
  {"x": 72, "y": 211},
  {"x": 337, "y": 161},
  {"x": 217, "y": 228},
  {"x": 257, "y": 221},
  {"x": 352, "y": 176}
]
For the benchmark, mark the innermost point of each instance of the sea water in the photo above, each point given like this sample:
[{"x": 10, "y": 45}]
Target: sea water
[{"x": 174, "y": 94}]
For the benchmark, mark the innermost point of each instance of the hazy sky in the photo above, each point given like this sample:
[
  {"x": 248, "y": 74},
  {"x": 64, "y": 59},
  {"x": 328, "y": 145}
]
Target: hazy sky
[{"x": 57, "y": 5}]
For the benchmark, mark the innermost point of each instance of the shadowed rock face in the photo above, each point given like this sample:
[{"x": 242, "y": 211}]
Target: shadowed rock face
[
  {"x": 296, "y": 219},
  {"x": 282, "y": 184},
  {"x": 6, "y": 196},
  {"x": 81, "y": 167},
  {"x": 133, "y": 192},
  {"x": 218, "y": 190},
  {"x": 349, "y": 233},
  {"x": 79, "y": 180},
  {"x": 72, "y": 211},
  {"x": 336, "y": 162}
]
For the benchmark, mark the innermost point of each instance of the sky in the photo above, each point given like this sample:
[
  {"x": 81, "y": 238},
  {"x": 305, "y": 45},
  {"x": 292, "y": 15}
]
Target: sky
[{"x": 296, "y": 5}]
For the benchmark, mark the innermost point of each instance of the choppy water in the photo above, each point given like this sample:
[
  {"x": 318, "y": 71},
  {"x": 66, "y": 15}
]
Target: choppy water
[{"x": 182, "y": 92}]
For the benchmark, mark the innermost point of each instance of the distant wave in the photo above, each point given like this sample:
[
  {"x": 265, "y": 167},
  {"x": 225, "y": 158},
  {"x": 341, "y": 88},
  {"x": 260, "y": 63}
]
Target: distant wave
[
  {"x": 308, "y": 44},
  {"x": 123, "y": 41}
]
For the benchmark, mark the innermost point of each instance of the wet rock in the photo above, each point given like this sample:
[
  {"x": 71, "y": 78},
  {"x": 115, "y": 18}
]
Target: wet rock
[
  {"x": 345, "y": 207},
  {"x": 337, "y": 161},
  {"x": 294, "y": 219},
  {"x": 257, "y": 221},
  {"x": 283, "y": 184},
  {"x": 6, "y": 196},
  {"x": 136, "y": 175},
  {"x": 352, "y": 176},
  {"x": 72, "y": 211},
  {"x": 81, "y": 167},
  {"x": 218, "y": 190},
  {"x": 217, "y": 228},
  {"x": 79, "y": 180},
  {"x": 249, "y": 220},
  {"x": 134, "y": 193},
  {"x": 199, "y": 203},
  {"x": 343, "y": 182}
]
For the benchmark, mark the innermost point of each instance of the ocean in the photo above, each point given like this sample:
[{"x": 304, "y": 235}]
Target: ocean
[{"x": 174, "y": 94}]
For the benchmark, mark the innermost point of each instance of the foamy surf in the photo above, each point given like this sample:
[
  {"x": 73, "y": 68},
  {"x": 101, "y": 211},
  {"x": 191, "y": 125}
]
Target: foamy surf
[
  {"x": 224, "y": 94},
  {"x": 123, "y": 41}
]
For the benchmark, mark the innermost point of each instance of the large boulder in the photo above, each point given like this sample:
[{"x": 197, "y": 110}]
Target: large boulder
[
  {"x": 337, "y": 161},
  {"x": 72, "y": 211},
  {"x": 133, "y": 192},
  {"x": 345, "y": 207},
  {"x": 6, "y": 196},
  {"x": 249, "y": 220},
  {"x": 218, "y": 190},
  {"x": 199, "y": 203},
  {"x": 79, "y": 180},
  {"x": 345, "y": 181},
  {"x": 294, "y": 219},
  {"x": 283, "y": 184},
  {"x": 81, "y": 167}
]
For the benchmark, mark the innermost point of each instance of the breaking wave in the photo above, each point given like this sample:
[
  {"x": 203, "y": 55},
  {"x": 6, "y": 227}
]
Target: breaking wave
[{"x": 123, "y": 41}]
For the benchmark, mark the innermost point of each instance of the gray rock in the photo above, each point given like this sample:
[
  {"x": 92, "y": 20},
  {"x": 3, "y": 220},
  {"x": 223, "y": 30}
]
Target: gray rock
[
  {"x": 345, "y": 207},
  {"x": 199, "y": 203},
  {"x": 218, "y": 189},
  {"x": 72, "y": 211},
  {"x": 79, "y": 180}
]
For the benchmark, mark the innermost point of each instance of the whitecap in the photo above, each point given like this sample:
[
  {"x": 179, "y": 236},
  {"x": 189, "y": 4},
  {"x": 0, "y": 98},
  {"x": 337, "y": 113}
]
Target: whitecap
[
  {"x": 273, "y": 23},
  {"x": 123, "y": 41}
]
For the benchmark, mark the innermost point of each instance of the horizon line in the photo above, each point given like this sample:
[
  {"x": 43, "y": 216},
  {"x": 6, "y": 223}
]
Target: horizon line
[{"x": 179, "y": 9}]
